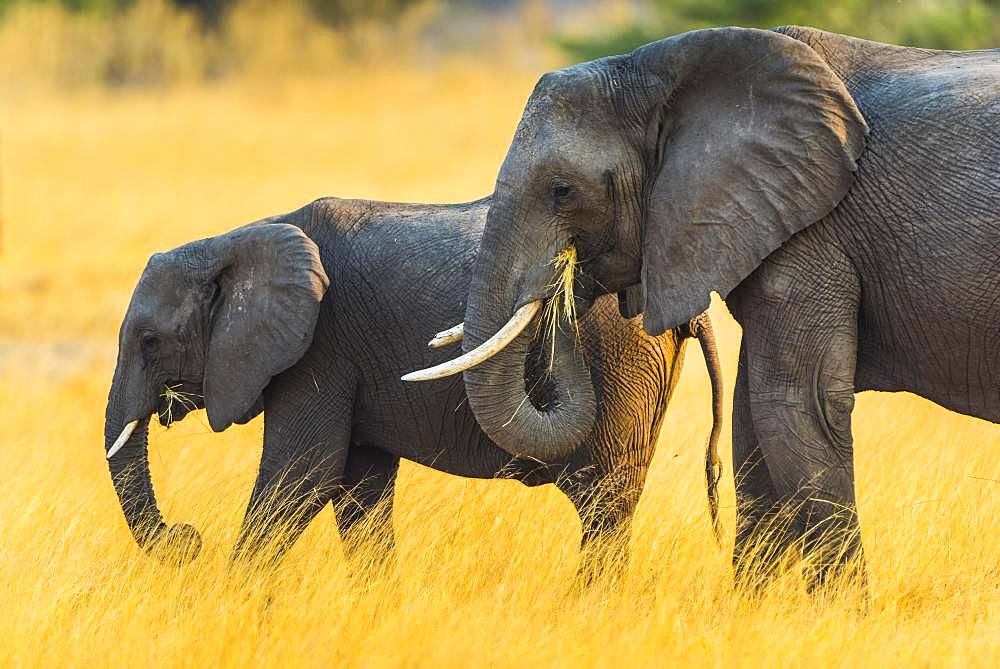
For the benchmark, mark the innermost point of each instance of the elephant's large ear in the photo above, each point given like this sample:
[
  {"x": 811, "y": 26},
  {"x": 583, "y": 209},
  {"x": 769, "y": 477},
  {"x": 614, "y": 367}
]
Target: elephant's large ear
[
  {"x": 757, "y": 139},
  {"x": 270, "y": 284}
]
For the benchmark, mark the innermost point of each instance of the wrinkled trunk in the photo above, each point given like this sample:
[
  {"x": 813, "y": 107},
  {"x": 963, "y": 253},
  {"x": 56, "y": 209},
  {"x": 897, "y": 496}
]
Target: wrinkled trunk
[
  {"x": 527, "y": 406},
  {"x": 130, "y": 468}
]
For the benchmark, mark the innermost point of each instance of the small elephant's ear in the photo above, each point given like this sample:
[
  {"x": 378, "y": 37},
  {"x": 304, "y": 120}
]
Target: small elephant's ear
[
  {"x": 757, "y": 139},
  {"x": 270, "y": 284},
  {"x": 255, "y": 410}
]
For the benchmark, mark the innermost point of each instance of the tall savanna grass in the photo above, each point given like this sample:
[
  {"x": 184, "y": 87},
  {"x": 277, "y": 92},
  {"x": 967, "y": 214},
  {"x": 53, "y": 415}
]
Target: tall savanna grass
[{"x": 95, "y": 179}]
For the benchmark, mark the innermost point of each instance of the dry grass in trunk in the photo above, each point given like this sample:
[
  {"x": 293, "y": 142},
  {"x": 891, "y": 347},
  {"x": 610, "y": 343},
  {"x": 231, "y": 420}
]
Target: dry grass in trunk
[{"x": 562, "y": 303}]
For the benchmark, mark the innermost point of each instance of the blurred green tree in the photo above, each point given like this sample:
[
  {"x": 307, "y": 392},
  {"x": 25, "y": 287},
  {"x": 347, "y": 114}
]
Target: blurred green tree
[
  {"x": 340, "y": 12},
  {"x": 937, "y": 24},
  {"x": 102, "y": 6},
  {"x": 211, "y": 11},
  {"x": 335, "y": 12}
]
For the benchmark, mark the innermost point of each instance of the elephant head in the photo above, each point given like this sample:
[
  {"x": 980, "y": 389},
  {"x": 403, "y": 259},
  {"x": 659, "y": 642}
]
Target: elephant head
[
  {"x": 672, "y": 171},
  {"x": 208, "y": 325}
]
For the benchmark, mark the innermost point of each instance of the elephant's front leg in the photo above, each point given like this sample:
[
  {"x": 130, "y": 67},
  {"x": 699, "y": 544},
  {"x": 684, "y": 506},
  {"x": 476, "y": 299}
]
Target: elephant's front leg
[
  {"x": 605, "y": 503},
  {"x": 363, "y": 504},
  {"x": 761, "y": 535},
  {"x": 306, "y": 438},
  {"x": 800, "y": 314}
]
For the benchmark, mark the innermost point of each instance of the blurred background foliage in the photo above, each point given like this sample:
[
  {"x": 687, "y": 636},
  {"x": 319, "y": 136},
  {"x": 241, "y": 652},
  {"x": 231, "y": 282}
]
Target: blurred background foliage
[
  {"x": 115, "y": 43},
  {"x": 936, "y": 24}
]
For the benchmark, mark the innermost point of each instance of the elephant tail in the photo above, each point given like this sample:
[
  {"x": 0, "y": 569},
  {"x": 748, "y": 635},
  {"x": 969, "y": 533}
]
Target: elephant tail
[{"x": 701, "y": 328}]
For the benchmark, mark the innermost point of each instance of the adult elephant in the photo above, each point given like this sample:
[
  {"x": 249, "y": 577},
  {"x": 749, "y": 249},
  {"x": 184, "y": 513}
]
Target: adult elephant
[
  {"x": 311, "y": 317},
  {"x": 842, "y": 195}
]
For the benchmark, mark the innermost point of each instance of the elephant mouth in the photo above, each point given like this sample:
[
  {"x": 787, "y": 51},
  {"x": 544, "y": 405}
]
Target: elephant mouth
[{"x": 177, "y": 399}]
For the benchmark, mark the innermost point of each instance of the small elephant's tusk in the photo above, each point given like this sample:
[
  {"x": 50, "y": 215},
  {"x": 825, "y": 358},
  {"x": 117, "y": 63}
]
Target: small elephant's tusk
[
  {"x": 450, "y": 336},
  {"x": 484, "y": 351},
  {"x": 122, "y": 438}
]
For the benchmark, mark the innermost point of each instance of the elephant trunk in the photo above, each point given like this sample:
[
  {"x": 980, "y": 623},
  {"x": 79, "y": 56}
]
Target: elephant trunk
[
  {"x": 129, "y": 468},
  {"x": 533, "y": 398}
]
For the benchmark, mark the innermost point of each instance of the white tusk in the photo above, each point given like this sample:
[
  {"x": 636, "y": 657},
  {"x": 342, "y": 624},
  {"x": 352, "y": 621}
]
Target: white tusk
[
  {"x": 449, "y": 336},
  {"x": 122, "y": 438},
  {"x": 484, "y": 351}
]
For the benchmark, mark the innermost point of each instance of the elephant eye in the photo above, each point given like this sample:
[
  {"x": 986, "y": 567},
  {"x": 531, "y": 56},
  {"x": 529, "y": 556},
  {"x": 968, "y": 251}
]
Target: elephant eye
[
  {"x": 562, "y": 196},
  {"x": 560, "y": 190},
  {"x": 149, "y": 343}
]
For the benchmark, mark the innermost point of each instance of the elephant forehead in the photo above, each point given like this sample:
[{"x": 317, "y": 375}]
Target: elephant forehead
[
  {"x": 609, "y": 90},
  {"x": 572, "y": 90},
  {"x": 168, "y": 286},
  {"x": 163, "y": 306},
  {"x": 192, "y": 258},
  {"x": 567, "y": 146}
]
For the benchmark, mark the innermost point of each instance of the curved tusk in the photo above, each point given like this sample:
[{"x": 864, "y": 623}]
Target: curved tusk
[
  {"x": 449, "y": 336},
  {"x": 122, "y": 438},
  {"x": 484, "y": 351}
]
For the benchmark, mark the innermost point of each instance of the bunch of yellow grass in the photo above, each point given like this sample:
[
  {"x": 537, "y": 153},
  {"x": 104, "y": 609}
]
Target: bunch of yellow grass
[{"x": 562, "y": 304}]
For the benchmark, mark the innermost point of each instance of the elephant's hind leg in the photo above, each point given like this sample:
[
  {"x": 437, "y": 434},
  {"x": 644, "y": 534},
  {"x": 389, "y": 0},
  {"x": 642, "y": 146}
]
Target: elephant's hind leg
[
  {"x": 363, "y": 505},
  {"x": 800, "y": 331}
]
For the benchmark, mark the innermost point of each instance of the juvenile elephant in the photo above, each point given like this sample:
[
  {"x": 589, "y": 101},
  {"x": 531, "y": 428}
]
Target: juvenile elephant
[
  {"x": 312, "y": 317},
  {"x": 842, "y": 195}
]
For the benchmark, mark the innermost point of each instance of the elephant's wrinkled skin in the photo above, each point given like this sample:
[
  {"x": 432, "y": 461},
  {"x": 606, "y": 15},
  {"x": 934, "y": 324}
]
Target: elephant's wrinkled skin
[
  {"x": 246, "y": 320},
  {"x": 843, "y": 195}
]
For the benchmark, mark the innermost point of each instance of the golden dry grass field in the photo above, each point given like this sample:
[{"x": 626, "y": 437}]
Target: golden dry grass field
[{"x": 93, "y": 183}]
